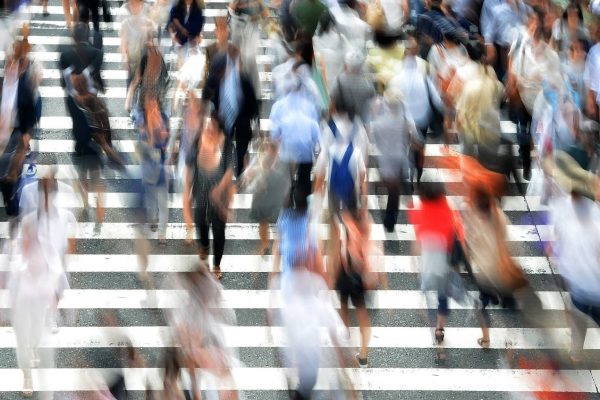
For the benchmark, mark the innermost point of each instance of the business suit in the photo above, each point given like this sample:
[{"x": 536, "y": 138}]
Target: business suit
[
  {"x": 248, "y": 107},
  {"x": 79, "y": 57}
]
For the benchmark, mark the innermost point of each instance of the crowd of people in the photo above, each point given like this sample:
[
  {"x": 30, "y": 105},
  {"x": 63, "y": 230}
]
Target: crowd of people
[{"x": 353, "y": 84}]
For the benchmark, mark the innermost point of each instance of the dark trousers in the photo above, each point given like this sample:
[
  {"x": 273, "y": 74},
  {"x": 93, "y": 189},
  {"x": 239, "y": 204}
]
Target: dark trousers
[
  {"x": 520, "y": 116},
  {"x": 243, "y": 135},
  {"x": 394, "y": 188},
  {"x": 207, "y": 218}
]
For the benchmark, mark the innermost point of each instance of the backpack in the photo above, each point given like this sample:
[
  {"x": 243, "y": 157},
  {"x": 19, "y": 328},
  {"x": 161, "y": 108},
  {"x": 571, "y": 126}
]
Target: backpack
[{"x": 341, "y": 182}]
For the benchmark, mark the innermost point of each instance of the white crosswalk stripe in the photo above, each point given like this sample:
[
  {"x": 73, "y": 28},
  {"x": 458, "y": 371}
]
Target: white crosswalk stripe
[{"x": 105, "y": 274}]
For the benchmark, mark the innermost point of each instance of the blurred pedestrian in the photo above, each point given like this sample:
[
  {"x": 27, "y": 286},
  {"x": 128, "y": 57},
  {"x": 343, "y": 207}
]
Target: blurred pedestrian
[
  {"x": 394, "y": 133},
  {"x": 136, "y": 25},
  {"x": 154, "y": 137},
  {"x": 233, "y": 96},
  {"x": 209, "y": 189},
  {"x": 269, "y": 183},
  {"x": 575, "y": 219}
]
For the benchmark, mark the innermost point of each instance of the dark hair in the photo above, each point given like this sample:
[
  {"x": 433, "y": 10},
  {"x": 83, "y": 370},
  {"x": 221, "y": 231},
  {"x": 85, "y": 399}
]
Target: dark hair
[
  {"x": 84, "y": 14},
  {"x": 81, "y": 32},
  {"x": 181, "y": 6},
  {"x": 571, "y": 6},
  {"x": 482, "y": 199},
  {"x": 384, "y": 39},
  {"x": 326, "y": 22},
  {"x": 304, "y": 47},
  {"x": 432, "y": 191},
  {"x": 475, "y": 49}
]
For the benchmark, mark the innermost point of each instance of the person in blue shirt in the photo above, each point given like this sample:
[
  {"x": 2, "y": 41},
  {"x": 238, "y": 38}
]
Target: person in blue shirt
[
  {"x": 185, "y": 21},
  {"x": 154, "y": 136},
  {"x": 296, "y": 132}
]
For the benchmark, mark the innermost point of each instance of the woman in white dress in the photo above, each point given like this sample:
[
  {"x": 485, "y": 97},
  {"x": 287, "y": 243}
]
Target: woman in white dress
[{"x": 37, "y": 284}]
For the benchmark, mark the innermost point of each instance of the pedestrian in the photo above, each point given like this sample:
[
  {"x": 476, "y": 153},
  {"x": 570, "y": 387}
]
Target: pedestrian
[
  {"x": 231, "y": 93},
  {"x": 154, "y": 137},
  {"x": 437, "y": 229},
  {"x": 295, "y": 133},
  {"x": 78, "y": 64},
  {"x": 151, "y": 78},
  {"x": 354, "y": 276},
  {"x": 269, "y": 183},
  {"x": 17, "y": 122},
  {"x": 134, "y": 16},
  {"x": 36, "y": 286},
  {"x": 394, "y": 134},
  {"x": 209, "y": 189},
  {"x": 575, "y": 217}
]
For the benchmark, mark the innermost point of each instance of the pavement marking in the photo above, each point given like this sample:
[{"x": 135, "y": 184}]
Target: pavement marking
[
  {"x": 367, "y": 379},
  {"x": 263, "y": 336},
  {"x": 173, "y": 263},
  {"x": 260, "y": 299},
  {"x": 249, "y": 231}
]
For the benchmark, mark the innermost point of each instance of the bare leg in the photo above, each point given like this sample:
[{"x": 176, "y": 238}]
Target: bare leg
[
  {"x": 364, "y": 324},
  {"x": 263, "y": 233}
]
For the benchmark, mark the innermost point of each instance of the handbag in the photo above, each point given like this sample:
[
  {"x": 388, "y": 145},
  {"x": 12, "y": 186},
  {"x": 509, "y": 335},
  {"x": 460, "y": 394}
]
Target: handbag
[{"x": 511, "y": 276}]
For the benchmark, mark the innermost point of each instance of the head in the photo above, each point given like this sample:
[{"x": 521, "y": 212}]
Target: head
[
  {"x": 535, "y": 23},
  {"x": 81, "y": 32},
  {"x": 573, "y": 16},
  {"x": 432, "y": 191},
  {"x": 481, "y": 198},
  {"x": 412, "y": 43}
]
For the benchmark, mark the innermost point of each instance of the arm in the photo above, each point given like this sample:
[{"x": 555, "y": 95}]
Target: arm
[
  {"x": 131, "y": 90},
  {"x": 187, "y": 198}
]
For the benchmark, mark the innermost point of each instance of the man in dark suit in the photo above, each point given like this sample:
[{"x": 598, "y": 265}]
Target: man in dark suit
[
  {"x": 233, "y": 96},
  {"x": 82, "y": 60},
  {"x": 76, "y": 59}
]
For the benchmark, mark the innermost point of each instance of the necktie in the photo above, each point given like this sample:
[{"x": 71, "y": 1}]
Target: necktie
[{"x": 229, "y": 107}]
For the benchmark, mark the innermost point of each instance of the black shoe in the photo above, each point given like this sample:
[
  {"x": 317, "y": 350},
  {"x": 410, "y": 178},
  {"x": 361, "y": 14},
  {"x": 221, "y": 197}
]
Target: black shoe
[{"x": 527, "y": 174}]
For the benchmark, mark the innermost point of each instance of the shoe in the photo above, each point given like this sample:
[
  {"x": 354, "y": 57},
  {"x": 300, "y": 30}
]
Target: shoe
[
  {"x": 484, "y": 343},
  {"x": 362, "y": 362},
  {"x": 439, "y": 335},
  {"x": 217, "y": 272},
  {"x": 153, "y": 227},
  {"x": 27, "y": 387},
  {"x": 97, "y": 228},
  {"x": 527, "y": 174},
  {"x": 45, "y": 13}
]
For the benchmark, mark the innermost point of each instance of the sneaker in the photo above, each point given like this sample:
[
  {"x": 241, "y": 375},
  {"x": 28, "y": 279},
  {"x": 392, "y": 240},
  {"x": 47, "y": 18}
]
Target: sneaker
[
  {"x": 362, "y": 362},
  {"x": 27, "y": 387}
]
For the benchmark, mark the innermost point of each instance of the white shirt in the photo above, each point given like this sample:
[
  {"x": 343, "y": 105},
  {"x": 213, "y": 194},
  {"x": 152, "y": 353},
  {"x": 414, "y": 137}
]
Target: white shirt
[
  {"x": 576, "y": 226},
  {"x": 412, "y": 81},
  {"x": 8, "y": 107},
  {"x": 591, "y": 74}
]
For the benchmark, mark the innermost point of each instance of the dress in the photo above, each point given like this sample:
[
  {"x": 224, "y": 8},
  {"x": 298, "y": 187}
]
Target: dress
[{"x": 269, "y": 192}]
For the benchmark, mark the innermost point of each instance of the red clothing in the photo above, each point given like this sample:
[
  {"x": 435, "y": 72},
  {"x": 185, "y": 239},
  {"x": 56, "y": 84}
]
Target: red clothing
[{"x": 436, "y": 217}]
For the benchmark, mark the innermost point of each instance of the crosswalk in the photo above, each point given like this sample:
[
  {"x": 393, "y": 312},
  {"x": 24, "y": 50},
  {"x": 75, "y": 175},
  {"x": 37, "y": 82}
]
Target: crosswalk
[{"x": 104, "y": 275}]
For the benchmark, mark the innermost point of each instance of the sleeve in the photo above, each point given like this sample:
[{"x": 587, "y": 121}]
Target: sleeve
[
  {"x": 229, "y": 154},
  {"x": 190, "y": 158},
  {"x": 172, "y": 15},
  {"x": 590, "y": 73},
  {"x": 197, "y": 24},
  {"x": 315, "y": 135},
  {"x": 274, "y": 117}
]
